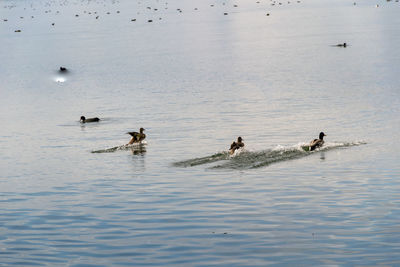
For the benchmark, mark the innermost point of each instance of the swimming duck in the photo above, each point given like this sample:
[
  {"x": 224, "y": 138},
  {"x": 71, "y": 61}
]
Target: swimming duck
[
  {"x": 316, "y": 143},
  {"x": 342, "y": 45},
  {"x": 62, "y": 69},
  {"x": 137, "y": 137},
  {"x": 84, "y": 120},
  {"x": 236, "y": 145}
]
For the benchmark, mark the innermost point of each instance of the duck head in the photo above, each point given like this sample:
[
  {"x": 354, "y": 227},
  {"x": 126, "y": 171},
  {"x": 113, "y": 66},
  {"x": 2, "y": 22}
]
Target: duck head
[
  {"x": 83, "y": 118},
  {"x": 321, "y": 135},
  {"x": 141, "y": 130},
  {"x": 240, "y": 139}
]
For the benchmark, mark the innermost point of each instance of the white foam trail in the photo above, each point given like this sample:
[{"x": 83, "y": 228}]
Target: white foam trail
[
  {"x": 277, "y": 154},
  {"x": 245, "y": 159},
  {"x": 122, "y": 147},
  {"x": 238, "y": 152}
]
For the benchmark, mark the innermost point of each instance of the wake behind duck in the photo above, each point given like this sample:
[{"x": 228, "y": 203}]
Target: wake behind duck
[
  {"x": 246, "y": 159},
  {"x": 137, "y": 143},
  {"x": 137, "y": 146},
  {"x": 236, "y": 148}
]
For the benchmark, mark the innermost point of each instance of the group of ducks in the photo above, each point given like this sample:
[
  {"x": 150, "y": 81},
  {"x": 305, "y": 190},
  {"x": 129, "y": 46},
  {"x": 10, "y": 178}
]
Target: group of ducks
[
  {"x": 154, "y": 9},
  {"x": 138, "y": 137}
]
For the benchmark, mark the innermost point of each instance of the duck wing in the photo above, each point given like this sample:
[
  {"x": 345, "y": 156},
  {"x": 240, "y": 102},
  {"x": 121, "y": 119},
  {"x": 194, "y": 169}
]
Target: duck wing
[
  {"x": 314, "y": 142},
  {"x": 135, "y": 135},
  {"x": 233, "y": 145}
]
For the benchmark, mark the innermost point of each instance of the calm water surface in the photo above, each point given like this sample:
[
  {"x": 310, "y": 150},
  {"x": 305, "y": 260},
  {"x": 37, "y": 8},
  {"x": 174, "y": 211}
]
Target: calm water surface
[{"x": 196, "y": 80}]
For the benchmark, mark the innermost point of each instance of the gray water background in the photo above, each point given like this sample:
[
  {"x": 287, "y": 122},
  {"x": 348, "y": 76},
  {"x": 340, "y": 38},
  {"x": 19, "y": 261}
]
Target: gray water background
[{"x": 196, "y": 80}]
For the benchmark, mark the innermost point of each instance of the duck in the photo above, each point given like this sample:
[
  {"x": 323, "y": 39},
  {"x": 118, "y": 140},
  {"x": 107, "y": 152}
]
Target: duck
[
  {"x": 316, "y": 143},
  {"x": 342, "y": 45},
  {"x": 137, "y": 137},
  {"x": 84, "y": 120},
  {"x": 63, "y": 69},
  {"x": 236, "y": 145}
]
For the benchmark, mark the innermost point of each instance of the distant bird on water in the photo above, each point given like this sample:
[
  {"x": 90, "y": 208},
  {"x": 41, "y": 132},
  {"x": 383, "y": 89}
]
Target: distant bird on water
[
  {"x": 84, "y": 120},
  {"x": 316, "y": 143},
  {"x": 137, "y": 137},
  {"x": 236, "y": 145},
  {"x": 342, "y": 45},
  {"x": 63, "y": 69}
]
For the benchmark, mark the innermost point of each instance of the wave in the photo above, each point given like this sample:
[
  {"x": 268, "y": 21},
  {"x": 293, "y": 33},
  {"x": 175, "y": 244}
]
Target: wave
[
  {"x": 204, "y": 160},
  {"x": 136, "y": 146},
  {"x": 257, "y": 159}
]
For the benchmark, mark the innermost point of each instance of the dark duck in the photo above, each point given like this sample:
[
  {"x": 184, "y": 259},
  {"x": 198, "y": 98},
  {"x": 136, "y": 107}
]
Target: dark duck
[
  {"x": 63, "y": 69},
  {"x": 316, "y": 143},
  {"x": 137, "y": 137},
  {"x": 84, "y": 120},
  {"x": 236, "y": 145}
]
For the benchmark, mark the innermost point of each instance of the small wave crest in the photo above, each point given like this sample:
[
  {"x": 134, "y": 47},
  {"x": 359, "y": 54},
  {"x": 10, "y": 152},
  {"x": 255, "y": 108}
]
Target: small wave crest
[{"x": 256, "y": 159}]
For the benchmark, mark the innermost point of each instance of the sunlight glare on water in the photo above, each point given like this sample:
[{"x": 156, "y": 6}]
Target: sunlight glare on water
[{"x": 60, "y": 79}]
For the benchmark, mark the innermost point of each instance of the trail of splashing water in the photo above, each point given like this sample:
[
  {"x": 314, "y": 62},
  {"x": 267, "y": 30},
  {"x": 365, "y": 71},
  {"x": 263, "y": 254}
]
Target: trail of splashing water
[
  {"x": 257, "y": 159},
  {"x": 137, "y": 146},
  {"x": 203, "y": 160}
]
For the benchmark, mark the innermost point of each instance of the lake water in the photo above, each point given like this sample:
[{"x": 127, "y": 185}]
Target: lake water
[{"x": 196, "y": 80}]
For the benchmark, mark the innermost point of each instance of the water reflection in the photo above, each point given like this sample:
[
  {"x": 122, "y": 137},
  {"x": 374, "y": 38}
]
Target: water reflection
[
  {"x": 138, "y": 158},
  {"x": 138, "y": 150},
  {"x": 60, "y": 79}
]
